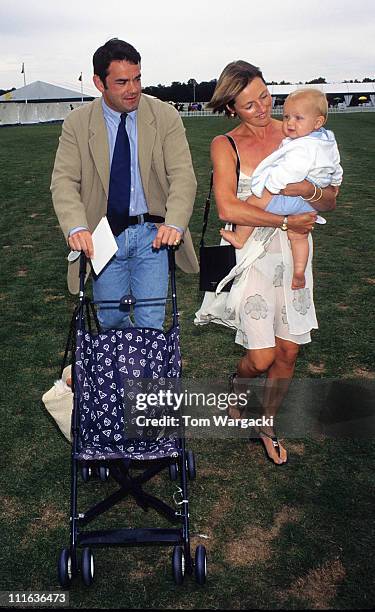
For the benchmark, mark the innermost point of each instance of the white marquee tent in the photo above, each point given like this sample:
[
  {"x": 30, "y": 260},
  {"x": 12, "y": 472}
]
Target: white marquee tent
[
  {"x": 39, "y": 91},
  {"x": 39, "y": 102}
]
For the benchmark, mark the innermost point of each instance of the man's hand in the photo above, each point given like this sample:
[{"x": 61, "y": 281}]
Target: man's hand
[
  {"x": 302, "y": 224},
  {"x": 167, "y": 236},
  {"x": 82, "y": 241}
]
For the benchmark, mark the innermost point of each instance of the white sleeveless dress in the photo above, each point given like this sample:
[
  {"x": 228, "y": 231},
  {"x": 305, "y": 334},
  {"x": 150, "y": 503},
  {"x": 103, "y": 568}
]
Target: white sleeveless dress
[{"x": 261, "y": 304}]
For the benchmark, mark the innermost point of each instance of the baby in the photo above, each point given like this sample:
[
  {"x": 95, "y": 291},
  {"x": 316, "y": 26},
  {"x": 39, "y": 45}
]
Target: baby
[{"x": 309, "y": 152}]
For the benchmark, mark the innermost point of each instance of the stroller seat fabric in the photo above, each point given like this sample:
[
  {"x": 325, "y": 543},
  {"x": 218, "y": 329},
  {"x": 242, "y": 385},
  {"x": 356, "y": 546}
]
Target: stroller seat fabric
[{"x": 111, "y": 370}]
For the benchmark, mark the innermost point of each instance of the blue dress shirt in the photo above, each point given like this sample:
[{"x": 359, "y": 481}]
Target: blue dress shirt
[{"x": 138, "y": 204}]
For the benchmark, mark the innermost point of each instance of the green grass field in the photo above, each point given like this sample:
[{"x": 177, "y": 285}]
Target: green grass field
[{"x": 297, "y": 537}]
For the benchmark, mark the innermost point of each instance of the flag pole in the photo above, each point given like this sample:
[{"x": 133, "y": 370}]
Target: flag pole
[
  {"x": 81, "y": 79},
  {"x": 24, "y": 77}
]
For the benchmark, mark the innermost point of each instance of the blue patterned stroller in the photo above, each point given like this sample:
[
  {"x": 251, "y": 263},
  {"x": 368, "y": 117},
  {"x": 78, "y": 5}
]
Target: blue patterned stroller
[{"x": 109, "y": 370}]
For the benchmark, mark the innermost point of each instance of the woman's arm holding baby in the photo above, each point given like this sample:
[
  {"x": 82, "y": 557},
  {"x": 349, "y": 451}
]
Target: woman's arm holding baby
[{"x": 325, "y": 199}]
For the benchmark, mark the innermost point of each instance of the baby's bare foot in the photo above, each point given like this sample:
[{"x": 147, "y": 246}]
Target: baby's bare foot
[
  {"x": 298, "y": 281},
  {"x": 232, "y": 238}
]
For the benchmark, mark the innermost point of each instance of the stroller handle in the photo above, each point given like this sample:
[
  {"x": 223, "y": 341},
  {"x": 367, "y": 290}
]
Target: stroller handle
[
  {"x": 128, "y": 299},
  {"x": 83, "y": 265}
]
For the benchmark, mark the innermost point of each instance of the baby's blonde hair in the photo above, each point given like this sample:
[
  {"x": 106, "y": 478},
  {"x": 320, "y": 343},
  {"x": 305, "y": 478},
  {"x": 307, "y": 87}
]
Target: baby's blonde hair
[{"x": 315, "y": 96}]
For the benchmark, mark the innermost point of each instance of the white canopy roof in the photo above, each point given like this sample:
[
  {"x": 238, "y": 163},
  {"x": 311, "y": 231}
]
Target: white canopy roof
[{"x": 39, "y": 91}]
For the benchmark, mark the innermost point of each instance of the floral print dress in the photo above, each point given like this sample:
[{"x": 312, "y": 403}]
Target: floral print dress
[{"x": 261, "y": 304}]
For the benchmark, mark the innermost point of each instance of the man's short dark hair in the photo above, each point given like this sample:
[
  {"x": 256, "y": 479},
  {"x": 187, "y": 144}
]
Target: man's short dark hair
[{"x": 113, "y": 49}]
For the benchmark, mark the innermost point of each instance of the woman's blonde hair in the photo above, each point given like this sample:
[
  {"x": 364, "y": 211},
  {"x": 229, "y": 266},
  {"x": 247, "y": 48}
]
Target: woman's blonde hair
[
  {"x": 234, "y": 78},
  {"x": 315, "y": 96}
]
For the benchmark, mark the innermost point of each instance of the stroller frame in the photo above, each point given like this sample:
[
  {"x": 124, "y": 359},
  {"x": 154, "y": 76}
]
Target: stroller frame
[{"x": 181, "y": 463}]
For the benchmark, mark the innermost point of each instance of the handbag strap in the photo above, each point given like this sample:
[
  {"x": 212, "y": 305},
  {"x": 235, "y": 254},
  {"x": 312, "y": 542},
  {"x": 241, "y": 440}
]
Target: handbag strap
[
  {"x": 237, "y": 156},
  {"x": 208, "y": 199}
]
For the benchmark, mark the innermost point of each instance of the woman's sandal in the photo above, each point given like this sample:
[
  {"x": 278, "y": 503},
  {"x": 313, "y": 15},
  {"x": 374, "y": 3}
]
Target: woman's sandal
[
  {"x": 239, "y": 409},
  {"x": 275, "y": 444}
]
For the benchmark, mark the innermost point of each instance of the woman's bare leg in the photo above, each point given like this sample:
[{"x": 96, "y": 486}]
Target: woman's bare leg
[
  {"x": 251, "y": 365},
  {"x": 279, "y": 363},
  {"x": 277, "y": 384}
]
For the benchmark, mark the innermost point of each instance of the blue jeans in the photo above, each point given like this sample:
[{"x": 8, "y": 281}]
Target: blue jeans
[{"x": 135, "y": 269}]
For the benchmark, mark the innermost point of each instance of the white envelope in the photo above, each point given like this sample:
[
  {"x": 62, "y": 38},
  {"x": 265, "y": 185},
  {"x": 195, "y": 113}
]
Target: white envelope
[{"x": 105, "y": 245}]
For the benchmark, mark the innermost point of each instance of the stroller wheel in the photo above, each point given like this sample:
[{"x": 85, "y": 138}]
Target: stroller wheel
[
  {"x": 178, "y": 565},
  {"x": 173, "y": 471},
  {"x": 200, "y": 564},
  {"x": 87, "y": 566},
  {"x": 64, "y": 568},
  {"x": 86, "y": 473},
  {"x": 103, "y": 473},
  {"x": 190, "y": 465}
]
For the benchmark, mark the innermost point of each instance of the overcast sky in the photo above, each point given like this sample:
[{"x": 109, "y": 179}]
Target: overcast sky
[{"x": 295, "y": 40}]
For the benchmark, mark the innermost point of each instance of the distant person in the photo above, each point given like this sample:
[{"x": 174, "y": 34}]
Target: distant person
[
  {"x": 308, "y": 152},
  {"x": 125, "y": 155}
]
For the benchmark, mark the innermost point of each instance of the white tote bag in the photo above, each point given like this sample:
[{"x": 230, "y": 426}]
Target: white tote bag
[{"x": 59, "y": 403}]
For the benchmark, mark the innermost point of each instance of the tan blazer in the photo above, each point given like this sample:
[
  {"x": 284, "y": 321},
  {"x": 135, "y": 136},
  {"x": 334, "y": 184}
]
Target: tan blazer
[{"x": 80, "y": 178}]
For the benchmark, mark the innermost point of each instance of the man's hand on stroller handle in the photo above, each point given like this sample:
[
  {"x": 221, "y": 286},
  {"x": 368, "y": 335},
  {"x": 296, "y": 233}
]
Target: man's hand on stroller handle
[
  {"x": 167, "y": 235},
  {"x": 82, "y": 241}
]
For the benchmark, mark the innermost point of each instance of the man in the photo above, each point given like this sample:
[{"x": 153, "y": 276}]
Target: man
[{"x": 126, "y": 156}]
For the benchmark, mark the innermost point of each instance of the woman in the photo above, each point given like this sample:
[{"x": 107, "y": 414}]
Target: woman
[{"x": 271, "y": 320}]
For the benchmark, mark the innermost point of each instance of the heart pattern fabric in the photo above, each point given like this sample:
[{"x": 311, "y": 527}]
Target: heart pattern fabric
[{"x": 111, "y": 370}]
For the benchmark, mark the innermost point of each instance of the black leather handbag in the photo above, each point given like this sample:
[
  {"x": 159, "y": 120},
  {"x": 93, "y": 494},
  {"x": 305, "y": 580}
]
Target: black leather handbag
[{"x": 215, "y": 261}]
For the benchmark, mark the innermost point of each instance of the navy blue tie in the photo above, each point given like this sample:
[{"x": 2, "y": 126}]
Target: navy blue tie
[{"x": 119, "y": 182}]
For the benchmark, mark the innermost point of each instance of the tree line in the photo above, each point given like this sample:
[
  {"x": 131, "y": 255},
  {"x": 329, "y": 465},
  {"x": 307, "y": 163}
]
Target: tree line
[
  {"x": 4, "y": 91},
  {"x": 193, "y": 91}
]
